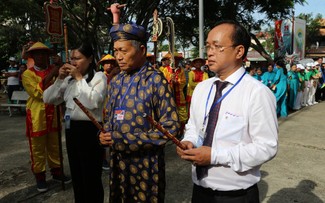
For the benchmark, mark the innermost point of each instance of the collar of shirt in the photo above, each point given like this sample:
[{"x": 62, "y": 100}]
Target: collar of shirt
[{"x": 234, "y": 77}]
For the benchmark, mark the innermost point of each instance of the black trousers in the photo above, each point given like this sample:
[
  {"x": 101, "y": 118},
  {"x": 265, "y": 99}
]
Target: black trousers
[
  {"x": 85, "y": 160},
  {"x": 207, "y": 195},
  {"x": 320, "y": 94},
  {"x": 11, "y": 89}
]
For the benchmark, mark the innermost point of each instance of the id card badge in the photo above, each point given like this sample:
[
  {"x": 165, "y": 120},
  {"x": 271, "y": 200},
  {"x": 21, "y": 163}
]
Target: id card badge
[
  {"x": 201, "y": 137},
  {"x": 119, "y": 114},
  {"x": 67, "y": 121}
]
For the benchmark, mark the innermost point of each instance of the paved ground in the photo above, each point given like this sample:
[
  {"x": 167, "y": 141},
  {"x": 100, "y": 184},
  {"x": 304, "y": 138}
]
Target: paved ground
[{"x": 296, "y": 174}]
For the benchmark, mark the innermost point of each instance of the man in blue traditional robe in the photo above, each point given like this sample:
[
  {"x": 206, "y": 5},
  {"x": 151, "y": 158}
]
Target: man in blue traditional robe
[{"x": 137, "y": 148}]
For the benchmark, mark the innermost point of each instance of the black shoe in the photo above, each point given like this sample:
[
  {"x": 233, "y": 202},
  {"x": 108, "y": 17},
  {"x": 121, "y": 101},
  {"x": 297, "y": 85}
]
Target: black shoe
[
  {"x": 59, "y": 178},
  {"x": 41, "y": 185}
]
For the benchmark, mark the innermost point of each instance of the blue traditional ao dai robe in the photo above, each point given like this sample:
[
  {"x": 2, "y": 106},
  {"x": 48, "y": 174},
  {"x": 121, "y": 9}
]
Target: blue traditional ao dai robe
[
  {"x": 293, "y": 82},
  {"x": 137, "y": 153}
]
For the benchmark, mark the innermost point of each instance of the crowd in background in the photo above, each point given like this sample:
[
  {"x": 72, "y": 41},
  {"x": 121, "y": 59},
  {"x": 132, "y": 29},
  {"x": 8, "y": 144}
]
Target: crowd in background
[{"x": 294, "y": 85}]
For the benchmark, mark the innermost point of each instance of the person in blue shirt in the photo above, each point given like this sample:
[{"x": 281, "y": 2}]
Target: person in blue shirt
[
  {"x": 268, "y": 77},
  {"x": 259, "y": 74},
  {"x": 280, "y": 88},
  {"x": 293, "y": 84}
]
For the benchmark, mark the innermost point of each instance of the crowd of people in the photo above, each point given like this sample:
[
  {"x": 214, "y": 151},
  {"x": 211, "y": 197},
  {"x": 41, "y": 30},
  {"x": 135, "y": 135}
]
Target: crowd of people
[
  {"x": 295, "y": 85},
  {"x": 227, "y": 120}
]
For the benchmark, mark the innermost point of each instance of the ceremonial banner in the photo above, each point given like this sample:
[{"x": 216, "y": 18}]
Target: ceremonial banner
[
  {"x": 53, "y": 15},
  {"x": 299, "y": 38},
  {"x": 283, "y": 38}
]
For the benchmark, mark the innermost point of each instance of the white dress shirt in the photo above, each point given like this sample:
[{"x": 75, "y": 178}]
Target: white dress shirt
[
  {"x": 246, "y": 134},
  {"x": 91, "y": 95}
]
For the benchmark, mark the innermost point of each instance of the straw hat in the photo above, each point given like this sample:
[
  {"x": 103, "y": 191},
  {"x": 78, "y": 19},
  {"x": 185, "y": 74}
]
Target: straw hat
[
  {"x": 38, "y": 46},
  {"x": 108, "y": 57},
  {"x": 167, "y": 56},
  {"x": 199, "y": 59},
  {"x": 178, "y": 56}
]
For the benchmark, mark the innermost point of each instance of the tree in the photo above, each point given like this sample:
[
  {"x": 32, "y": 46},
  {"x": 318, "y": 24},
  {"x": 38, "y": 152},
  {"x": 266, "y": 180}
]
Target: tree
[
  {"x": 18, "y": 24},
  {"x": 89, "y": 19},
  {"x": 185, "y": 16}
]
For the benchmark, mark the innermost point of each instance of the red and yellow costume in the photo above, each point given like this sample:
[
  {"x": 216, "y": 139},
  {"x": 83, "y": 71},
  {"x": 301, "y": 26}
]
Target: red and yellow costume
[
  {"x": 177, "y": 81},
  {"x": 41, "y": 120},
  {"x": 194, "y": 77}
]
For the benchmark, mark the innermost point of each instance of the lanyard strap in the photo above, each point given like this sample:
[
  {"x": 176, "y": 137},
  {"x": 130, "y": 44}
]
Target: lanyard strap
[
  {"x": 219, "y": 100},
  {"x": 127, "y": 90}
]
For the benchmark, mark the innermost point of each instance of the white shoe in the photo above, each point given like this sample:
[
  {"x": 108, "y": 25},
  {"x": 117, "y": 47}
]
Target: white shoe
[
  {"x": 315, "y": 102},
  {"x": 310, "y": 104}
]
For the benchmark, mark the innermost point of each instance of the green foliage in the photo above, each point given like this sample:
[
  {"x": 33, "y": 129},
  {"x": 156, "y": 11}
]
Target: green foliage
[{"x": 22, "y": 21}]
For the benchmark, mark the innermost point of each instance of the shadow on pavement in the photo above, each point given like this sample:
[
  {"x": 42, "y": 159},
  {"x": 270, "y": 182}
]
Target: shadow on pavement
[
  {"x": 31, "y": 195},
  {"x": 301, "y": 193}
]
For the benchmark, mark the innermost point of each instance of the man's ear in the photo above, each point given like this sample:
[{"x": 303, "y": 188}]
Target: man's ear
[
  {"x": 143, "y": 50},
  {"x": 240, "y": 51}
]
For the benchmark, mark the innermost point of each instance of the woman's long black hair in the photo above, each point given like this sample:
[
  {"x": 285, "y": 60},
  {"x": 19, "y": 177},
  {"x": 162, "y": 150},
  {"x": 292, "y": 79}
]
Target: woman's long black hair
[
  {"x": 87, "y": 50},
  {"x": 282, "y": 64}
]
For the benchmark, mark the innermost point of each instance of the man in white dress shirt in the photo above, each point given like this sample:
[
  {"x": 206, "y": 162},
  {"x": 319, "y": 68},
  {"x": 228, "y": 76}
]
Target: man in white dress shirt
[{"x": 244, "y": 134}]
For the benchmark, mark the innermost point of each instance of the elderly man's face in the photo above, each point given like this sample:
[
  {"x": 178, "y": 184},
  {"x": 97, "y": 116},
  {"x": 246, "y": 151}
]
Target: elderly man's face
[{"x": 128, "y": 56}]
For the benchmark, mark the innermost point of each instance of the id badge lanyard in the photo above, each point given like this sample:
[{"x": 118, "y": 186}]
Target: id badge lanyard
[{"x": 206, "y": 115}]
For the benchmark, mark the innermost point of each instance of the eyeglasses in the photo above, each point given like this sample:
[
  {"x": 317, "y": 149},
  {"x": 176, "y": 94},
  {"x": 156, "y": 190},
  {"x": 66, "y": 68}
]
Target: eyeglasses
[{"x": 214, "y": 47}]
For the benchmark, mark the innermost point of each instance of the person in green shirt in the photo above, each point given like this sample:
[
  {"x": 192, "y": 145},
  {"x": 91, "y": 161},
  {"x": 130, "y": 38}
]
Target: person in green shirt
[
  {"x": 313, "y": 75},
  {"x": 301, "y": 87}
]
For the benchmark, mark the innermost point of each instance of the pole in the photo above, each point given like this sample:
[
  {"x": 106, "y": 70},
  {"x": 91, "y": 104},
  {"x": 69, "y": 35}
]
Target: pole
[
  {"x": 58, "y": 110},
  {"x": 201, "y": 34},
  {"x": 155, "y": 35},
  {"x": 66, "y": 43},
  {"x": 164, "y": 131},
  {"x": 58, "y": 120},
  {"x": 60, "y": 144}
]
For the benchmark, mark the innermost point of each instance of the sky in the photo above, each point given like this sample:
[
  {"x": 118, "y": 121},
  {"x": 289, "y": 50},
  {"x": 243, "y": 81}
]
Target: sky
[{"x": 313, "y": 6}]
